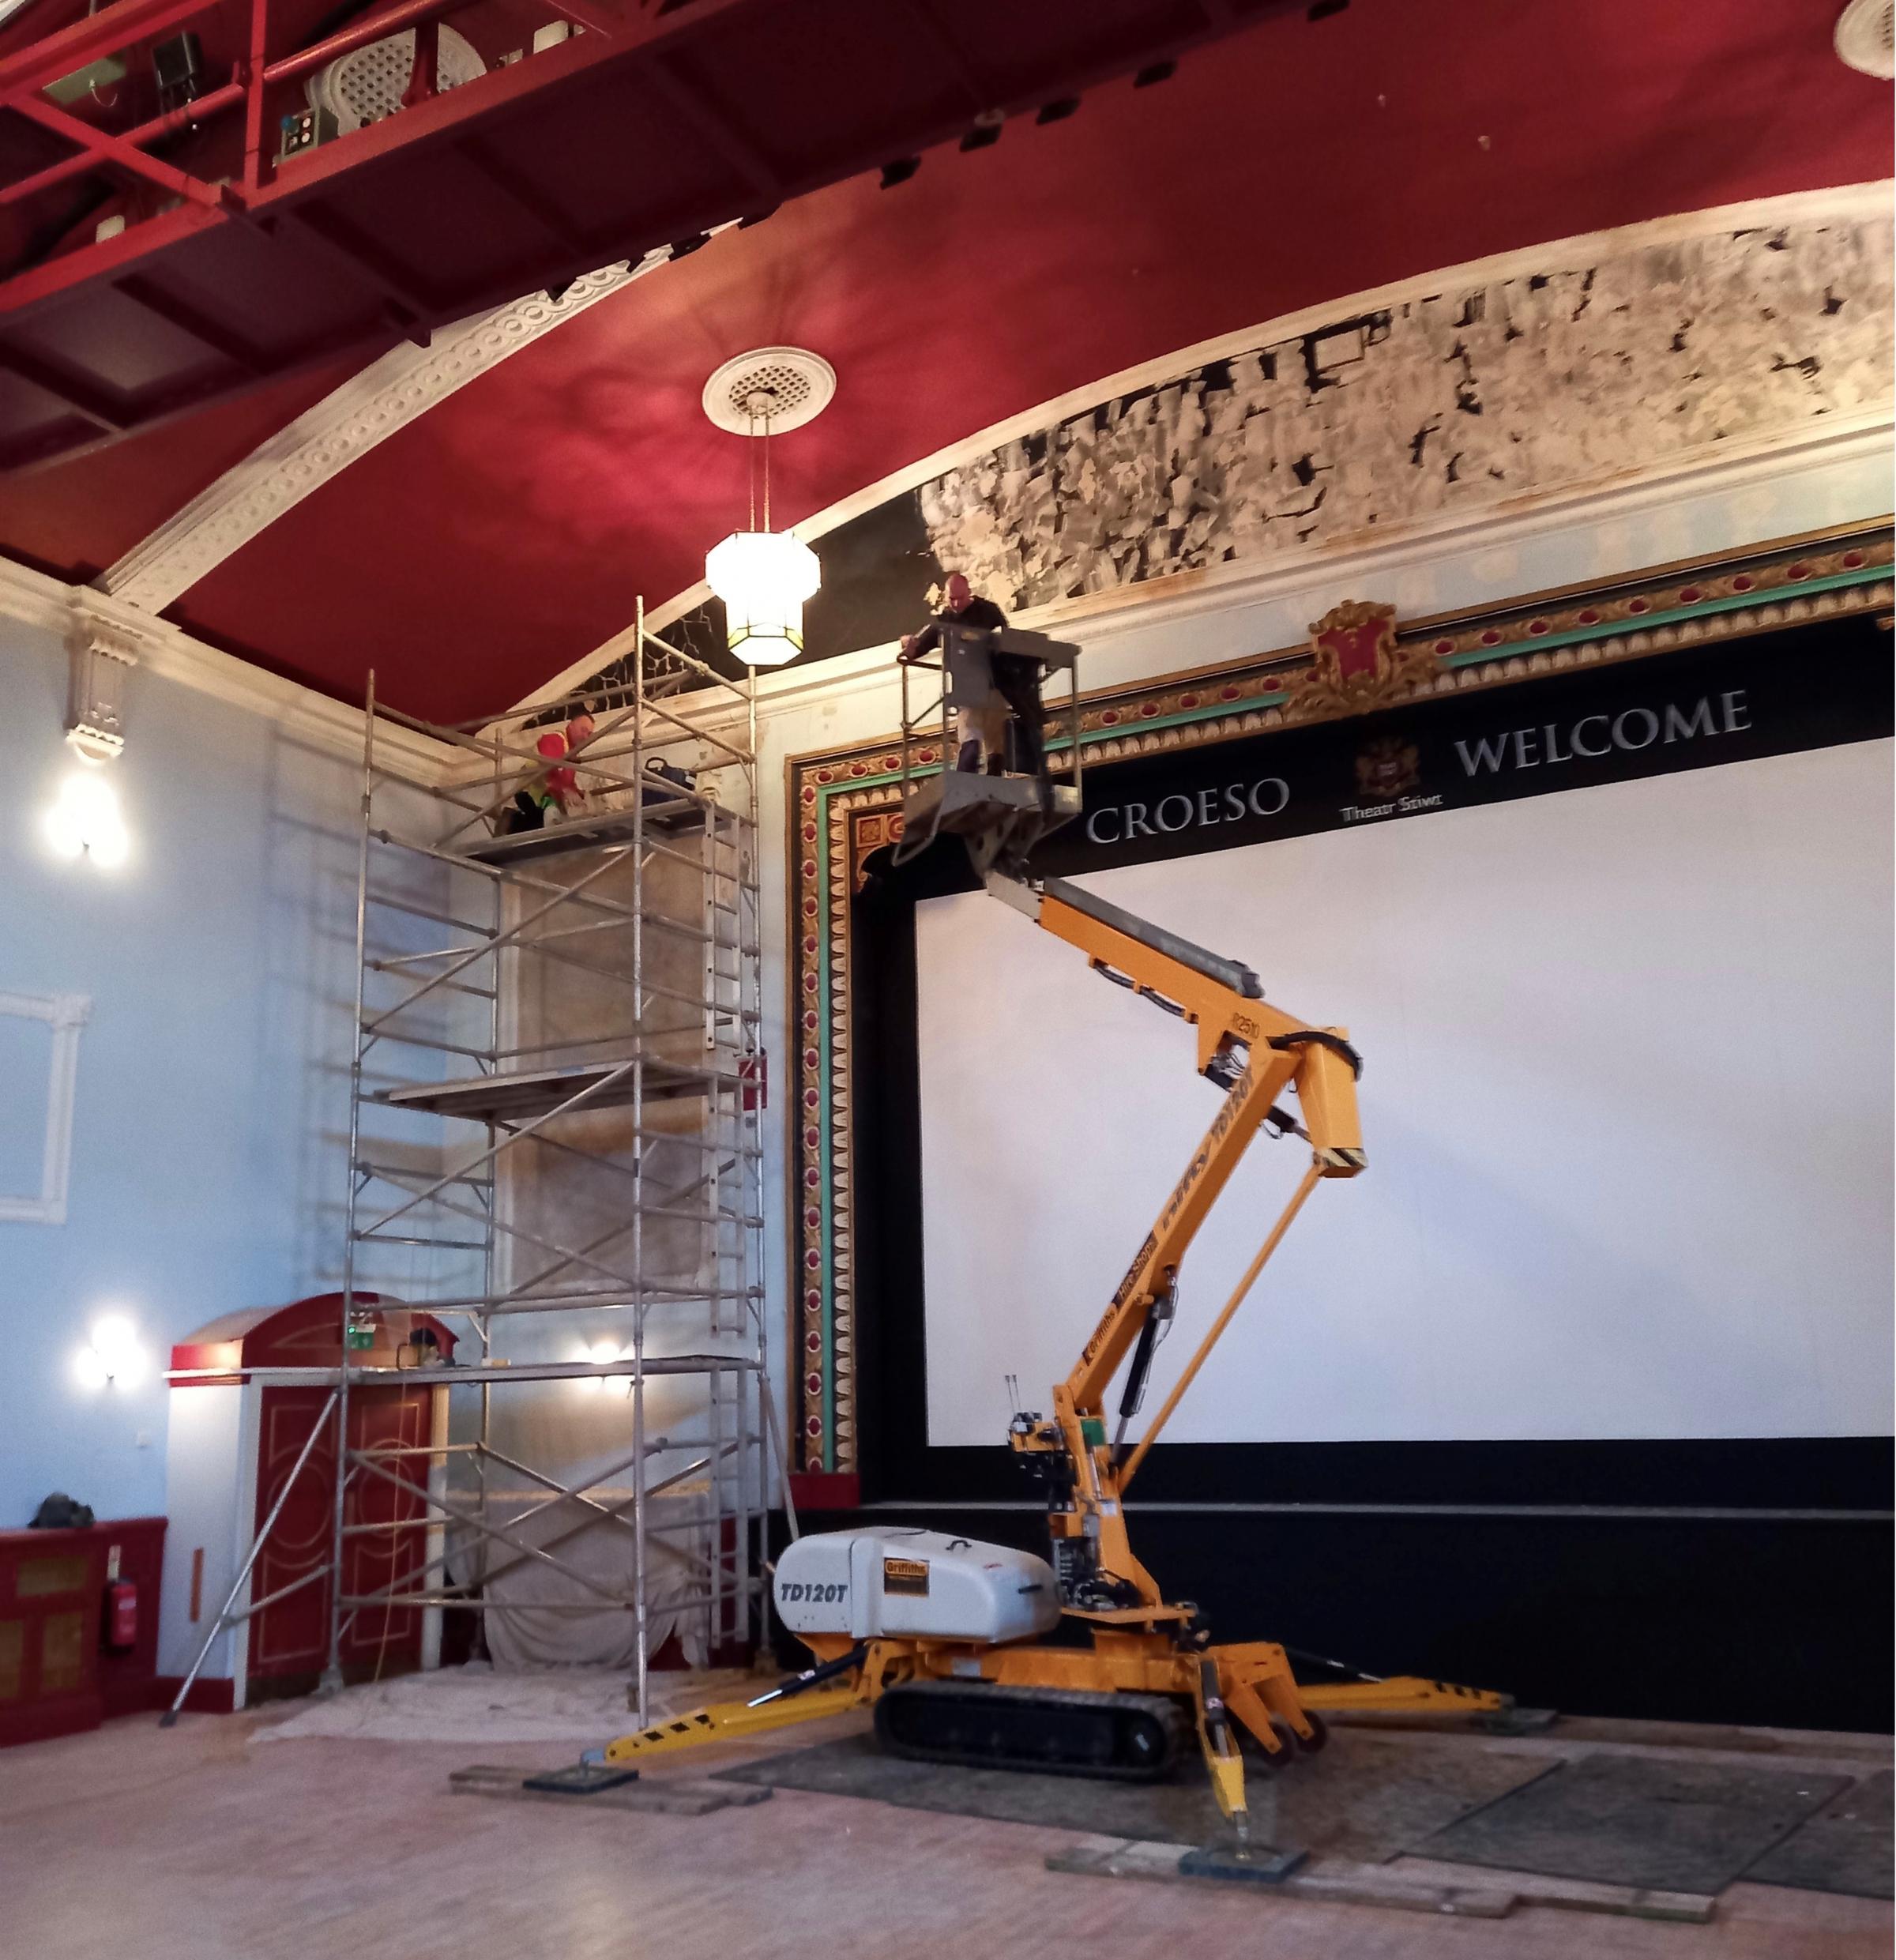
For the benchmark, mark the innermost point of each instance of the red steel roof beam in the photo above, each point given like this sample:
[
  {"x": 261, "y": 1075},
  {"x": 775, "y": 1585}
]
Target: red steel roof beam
[
  {"x": 623, "y": 35},
  {"x": 257, "y": 167},
  {"x": 973, "y": 86},
  {"x": 201, "y": 111},
  {"x": 499, "y": 90},
  {"x": 735, "y": 149},
  {"x": 106, "y": 148},
  {"x": 207, "y": 332},
  {"x": 48, "y": 282},
  {"x": 68, "y": 393},
  {"x": 555, "y": 222},
  {"x": 593, "y": 19},
  {"x": 320, "y": 54},
  {"x": 28, "y": 71},
  {"x": 407, "y": 311}
]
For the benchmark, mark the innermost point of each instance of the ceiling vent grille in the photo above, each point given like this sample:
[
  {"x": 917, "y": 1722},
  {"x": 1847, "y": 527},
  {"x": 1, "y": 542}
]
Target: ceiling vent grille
[
  {"x": 785, "y": 386},
  {"x": 1866, "y": 37}
]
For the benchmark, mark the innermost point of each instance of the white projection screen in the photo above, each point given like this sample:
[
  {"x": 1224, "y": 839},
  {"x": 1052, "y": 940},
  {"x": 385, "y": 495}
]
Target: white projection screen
[{"x": 1626, "y": 1099}]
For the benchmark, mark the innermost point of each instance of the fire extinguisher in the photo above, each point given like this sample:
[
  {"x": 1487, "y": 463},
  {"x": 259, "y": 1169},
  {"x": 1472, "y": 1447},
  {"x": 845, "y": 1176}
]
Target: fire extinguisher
[
  {"x": 754, "y": 1072},
  {"x": 120, "y": 1608}
]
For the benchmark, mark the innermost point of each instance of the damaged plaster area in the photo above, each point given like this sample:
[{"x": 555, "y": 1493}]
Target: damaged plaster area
[{"x": 1528, "y": 386}]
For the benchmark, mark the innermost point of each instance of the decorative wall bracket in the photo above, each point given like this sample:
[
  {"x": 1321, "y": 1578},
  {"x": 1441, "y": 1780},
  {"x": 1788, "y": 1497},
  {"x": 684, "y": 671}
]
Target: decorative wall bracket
[{"x": 102, "y": 655}]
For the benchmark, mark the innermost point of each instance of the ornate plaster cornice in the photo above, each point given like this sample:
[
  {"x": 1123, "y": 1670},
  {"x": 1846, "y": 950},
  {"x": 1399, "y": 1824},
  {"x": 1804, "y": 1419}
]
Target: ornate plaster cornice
[
  {"x": 1864, "y": 203},
  {"x": 386, "y": 396},
  {"x": 1377, "y": 565},
  {"x": 845, "y": 803},
  {"x": 81, "y": 614}
]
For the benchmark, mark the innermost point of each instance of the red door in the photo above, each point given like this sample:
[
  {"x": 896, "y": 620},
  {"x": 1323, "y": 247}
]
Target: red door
[
  {"x": 384, "y": 1540},
  {"x": 390, "y": 1556}
]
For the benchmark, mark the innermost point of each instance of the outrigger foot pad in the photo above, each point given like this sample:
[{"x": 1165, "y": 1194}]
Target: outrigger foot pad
[
  {"x": 580, "y": 1779},
  {"x": 1255, "y": 1864},
  {"x": 1515, "y": 1721}
]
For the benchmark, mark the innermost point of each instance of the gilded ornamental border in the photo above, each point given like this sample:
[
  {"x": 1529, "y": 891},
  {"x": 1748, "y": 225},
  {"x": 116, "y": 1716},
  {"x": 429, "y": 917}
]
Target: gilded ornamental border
[{"x": 846, "y": 805}]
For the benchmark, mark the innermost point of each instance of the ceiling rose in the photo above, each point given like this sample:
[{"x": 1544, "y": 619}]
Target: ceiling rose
[
  {"x": 1866, "y": 36},
  {"x": 785, "y": 386}
]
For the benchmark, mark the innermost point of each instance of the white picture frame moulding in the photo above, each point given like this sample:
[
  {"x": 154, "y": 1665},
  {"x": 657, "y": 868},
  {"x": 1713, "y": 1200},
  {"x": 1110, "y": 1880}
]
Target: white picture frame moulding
[{"x": 65, "y": 1014}]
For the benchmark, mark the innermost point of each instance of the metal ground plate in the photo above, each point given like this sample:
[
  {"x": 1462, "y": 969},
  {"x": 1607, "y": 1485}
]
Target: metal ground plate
[
  {"x": 1846, "y": 1848},
  {"x": 1366, "y": 1797},
  {"x": 1639, "y": 1821}
]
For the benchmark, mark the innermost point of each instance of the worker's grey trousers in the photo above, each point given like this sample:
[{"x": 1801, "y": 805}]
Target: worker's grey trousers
[{"x": 985, "y": 722}]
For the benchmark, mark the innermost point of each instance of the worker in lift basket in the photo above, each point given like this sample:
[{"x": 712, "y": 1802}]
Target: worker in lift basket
[{"x": 980, "y": 725}]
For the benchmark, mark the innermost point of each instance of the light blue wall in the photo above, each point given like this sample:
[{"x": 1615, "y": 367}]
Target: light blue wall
[{"x": 208, "y": 1157}]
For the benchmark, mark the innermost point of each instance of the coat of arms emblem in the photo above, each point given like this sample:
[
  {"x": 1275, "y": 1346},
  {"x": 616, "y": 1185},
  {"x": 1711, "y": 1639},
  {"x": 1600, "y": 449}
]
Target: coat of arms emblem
[
  {"x": 1356, "y": 664},
  {"x": 1387, "y": 769}
]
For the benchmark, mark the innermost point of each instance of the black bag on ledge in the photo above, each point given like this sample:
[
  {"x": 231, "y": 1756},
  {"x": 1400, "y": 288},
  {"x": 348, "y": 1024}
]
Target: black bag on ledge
[{"x": 61, "y": 1512}]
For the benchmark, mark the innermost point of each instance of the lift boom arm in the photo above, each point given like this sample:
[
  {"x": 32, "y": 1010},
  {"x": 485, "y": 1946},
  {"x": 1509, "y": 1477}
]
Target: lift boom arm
[
  {"x": 1254, "y": 1052},
  {"x": 1142, "y": 1646}
]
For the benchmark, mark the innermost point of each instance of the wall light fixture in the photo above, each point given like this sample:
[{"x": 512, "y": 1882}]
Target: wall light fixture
[
  {"x": 115, "y": 1358},
  {"x": 85, "y": 820}
]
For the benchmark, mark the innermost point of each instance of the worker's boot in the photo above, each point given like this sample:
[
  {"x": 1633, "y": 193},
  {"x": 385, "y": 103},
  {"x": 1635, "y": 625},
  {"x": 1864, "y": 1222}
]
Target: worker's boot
[{"x": 996, "y": 766}]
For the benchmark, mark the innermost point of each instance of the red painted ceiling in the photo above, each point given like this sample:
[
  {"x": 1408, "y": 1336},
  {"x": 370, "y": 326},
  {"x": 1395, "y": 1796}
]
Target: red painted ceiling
[{"x": 505, "y": 534}]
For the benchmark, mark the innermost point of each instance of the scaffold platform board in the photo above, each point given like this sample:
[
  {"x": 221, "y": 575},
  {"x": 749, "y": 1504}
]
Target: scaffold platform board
[
  {"x": 593, "y": 830},
  {"x": 520, "y": 1097}
]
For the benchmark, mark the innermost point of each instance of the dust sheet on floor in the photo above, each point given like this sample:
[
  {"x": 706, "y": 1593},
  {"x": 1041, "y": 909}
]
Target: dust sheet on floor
[{"x": 479, "y": 1704}]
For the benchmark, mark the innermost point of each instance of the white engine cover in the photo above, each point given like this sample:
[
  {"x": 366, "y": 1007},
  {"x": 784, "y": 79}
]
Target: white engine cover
[{"x": 898, "y": 1579}]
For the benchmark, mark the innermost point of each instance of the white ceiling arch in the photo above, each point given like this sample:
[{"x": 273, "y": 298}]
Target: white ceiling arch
[{"x": 367, "y": 409}]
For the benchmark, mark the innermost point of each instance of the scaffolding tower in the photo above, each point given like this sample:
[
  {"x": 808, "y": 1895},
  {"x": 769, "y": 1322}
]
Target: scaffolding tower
[{"x": 555, "y": 1148}]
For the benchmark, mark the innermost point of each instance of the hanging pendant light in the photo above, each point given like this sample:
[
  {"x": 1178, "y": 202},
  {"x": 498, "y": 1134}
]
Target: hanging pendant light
[{"x": 764, "y": 576}]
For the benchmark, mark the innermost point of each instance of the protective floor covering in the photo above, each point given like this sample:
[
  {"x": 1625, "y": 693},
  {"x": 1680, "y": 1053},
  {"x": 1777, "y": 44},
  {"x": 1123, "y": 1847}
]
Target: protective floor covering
[
  {"x": 1845, "y": 1848},
  {"x": 1364, "y": 1797},
  {"x": 480, "y": 1704},
  {"x": 1629, "y": 1820}
]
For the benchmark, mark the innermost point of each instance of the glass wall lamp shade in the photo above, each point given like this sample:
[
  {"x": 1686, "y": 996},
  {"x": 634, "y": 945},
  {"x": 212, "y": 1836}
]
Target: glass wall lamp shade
[
  {"x": 763, "y": 577},
  {"x": 85, "y": 820}
]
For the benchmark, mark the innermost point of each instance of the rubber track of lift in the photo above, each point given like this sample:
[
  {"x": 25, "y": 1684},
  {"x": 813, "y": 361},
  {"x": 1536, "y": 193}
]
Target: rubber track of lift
[{"x": 1062, "y": 1732}]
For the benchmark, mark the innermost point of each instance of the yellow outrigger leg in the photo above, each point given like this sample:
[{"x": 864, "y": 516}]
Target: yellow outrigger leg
[
  {"x": 833, "y": 1689},
  {"x": 1402, "y": 1695}
]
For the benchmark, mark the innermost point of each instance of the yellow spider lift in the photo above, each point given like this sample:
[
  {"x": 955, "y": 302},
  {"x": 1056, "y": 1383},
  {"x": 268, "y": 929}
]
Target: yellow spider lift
[{"x": 940, "y": 1635}]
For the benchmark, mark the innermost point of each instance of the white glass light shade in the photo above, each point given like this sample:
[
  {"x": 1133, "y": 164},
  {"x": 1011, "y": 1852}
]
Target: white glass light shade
[{"x": 763, "y": 577}]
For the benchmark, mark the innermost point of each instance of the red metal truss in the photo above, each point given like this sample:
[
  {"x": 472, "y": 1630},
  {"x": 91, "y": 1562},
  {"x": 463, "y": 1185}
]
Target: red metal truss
[
  {"x": 663, "y": 119},
  {"x": 31, "y": 68},
  {"x": 99, "y": 144}
]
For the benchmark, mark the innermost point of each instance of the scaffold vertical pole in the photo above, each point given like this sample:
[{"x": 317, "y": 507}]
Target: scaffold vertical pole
[{"x": 332, "y": 1673}]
